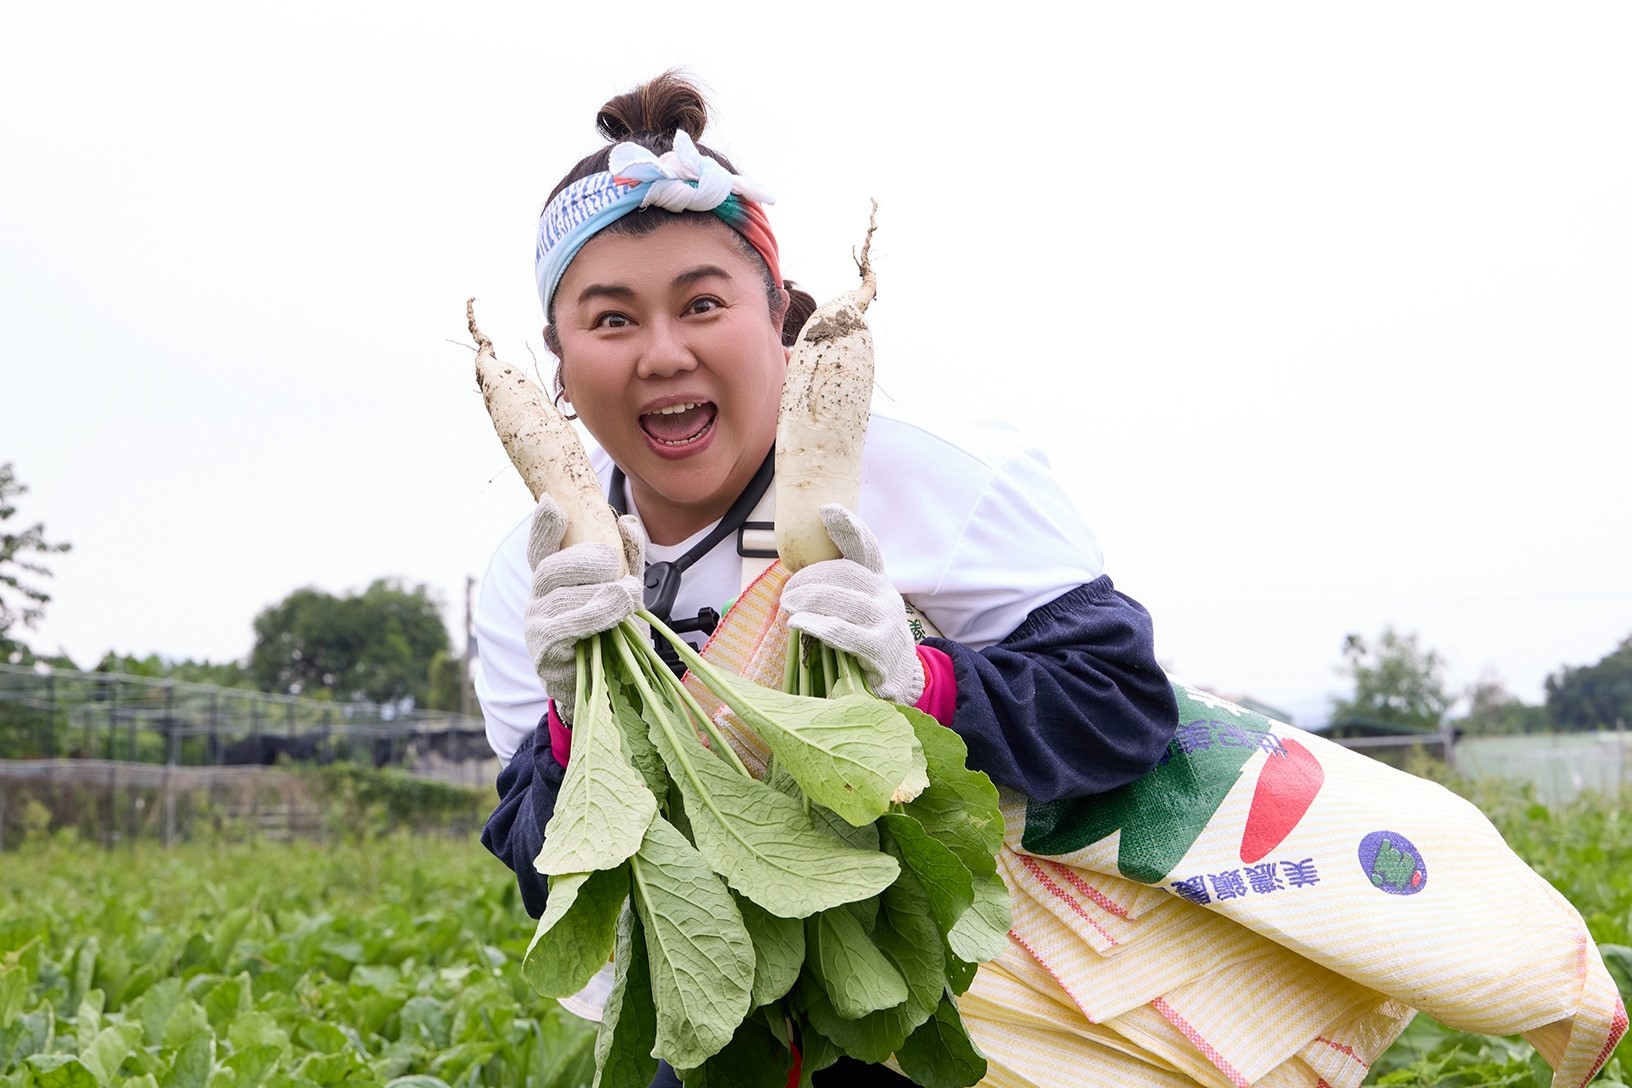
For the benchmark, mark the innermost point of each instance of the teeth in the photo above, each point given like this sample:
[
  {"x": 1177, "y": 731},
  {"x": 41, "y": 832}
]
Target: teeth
[{"x": 676, "y": 409}]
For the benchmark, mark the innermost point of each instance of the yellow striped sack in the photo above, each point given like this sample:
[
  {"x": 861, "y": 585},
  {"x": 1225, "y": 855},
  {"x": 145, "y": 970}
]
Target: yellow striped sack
[{"x": 1265, "y": 907}]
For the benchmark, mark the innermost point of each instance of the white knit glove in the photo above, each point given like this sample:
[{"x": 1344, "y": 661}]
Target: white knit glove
[
  {"x": 850, "y": 605},
  {"x": 577, "y": 592}
]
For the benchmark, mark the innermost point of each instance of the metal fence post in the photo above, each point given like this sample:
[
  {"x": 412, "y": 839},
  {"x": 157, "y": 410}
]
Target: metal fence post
[
  {"x": 112, "y": 691},
  {"x": 1620, "y": 757},
  {"x": 50, "y": 746}
]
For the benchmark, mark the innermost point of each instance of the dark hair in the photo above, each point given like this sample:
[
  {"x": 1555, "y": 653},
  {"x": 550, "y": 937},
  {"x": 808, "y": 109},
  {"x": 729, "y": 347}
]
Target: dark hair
[{"x": 650, "y": 115}]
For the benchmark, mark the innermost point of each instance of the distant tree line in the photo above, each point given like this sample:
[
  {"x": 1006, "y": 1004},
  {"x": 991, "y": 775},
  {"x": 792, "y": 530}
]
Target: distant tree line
[
  {"x": 1399, "y": 682},
  {"x": 385, "y": 645},
  {"x": 388, "y": 644}
]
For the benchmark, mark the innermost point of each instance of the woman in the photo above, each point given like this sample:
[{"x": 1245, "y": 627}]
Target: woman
[{"x": 665, "y": 305}]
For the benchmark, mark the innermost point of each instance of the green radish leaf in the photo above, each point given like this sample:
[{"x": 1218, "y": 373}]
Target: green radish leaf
[
  {"x": 983, "y": 932},
  {"x": 856, "y": 976},
  {"x": 193, "y": 1062},
  {"x": 57, "y": 1071},
  {"x": 575, "y": 936},
  {"x": 642, "y": 756},
  {"x": 761, "y": 840},
  {"x": 870, "y": 1038},
  {"x": 782, "y": 780},
  {"x": 623, "y": 1046},
  {"x": 854, "y": 754},
  {"x": 946, "y": 881},
  {"x": 779, "y": 951},
  {"x": 604, "y": 806},
  {"x": 864, "y": 837},
  {"x": 253, "y": 1064},
  {"x": 105, "y": 1052},
  {"x": 906, "y": 934},
  {"x": 1618, "y": 958},
  {"x": 702, "y": 961},
  {"x": 258, "y": 1028},
  {"x": 816, "y": 1053},
  {"x": 960, "y": 811},
  {"x": 777, "y": 1021},
  {"x": 756, "y": 1057},
  {"x": 940, "y": 1053},
  {"x": 960, "y": 974},
  {"x": 960, "y": 808},
  {"x": 13, "y": 993}
]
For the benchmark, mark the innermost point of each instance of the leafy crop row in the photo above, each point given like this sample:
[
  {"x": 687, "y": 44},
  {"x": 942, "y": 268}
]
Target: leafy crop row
[
  {"x": 397, "y": 961},
  {"x": 393, "y": 961}
]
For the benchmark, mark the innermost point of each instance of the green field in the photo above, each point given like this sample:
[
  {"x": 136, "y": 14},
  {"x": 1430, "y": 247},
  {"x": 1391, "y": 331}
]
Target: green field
[
  {"x": 396, "y": 961},
  {"x": 386, "y": 961}
]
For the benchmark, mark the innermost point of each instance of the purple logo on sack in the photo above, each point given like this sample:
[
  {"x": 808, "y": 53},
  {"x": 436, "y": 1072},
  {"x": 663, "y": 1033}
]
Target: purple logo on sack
[{"x": 1392, "y": 864}]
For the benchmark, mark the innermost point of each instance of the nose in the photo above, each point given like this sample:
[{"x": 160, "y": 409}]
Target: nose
[{"x": 666, "y": 350}]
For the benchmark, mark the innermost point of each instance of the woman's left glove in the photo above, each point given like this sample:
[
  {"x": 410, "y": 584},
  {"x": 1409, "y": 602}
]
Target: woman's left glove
[
  {"x": 577, "y": 592},
  {"x": 850, "y": 605}
]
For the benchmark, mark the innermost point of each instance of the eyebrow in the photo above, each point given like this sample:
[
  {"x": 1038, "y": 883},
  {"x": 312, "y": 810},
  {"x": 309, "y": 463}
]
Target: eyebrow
[{"x": 622, "y": 291}]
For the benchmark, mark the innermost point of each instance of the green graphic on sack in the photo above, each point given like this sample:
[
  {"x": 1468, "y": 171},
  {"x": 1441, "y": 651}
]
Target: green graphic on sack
[
  {"x": 1392, "y": 863},
  {"x": 1162, "y": 814}
]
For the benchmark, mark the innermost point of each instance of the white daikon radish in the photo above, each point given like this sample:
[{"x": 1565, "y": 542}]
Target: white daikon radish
[
  {"x": 542, "y": 445},
  {"x": 822, "y": 423}
]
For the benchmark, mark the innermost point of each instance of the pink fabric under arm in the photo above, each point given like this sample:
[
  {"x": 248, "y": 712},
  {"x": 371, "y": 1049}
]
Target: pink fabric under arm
[
  {"x": 940, "y": 697},
  {"x": 560, "y": 736}
]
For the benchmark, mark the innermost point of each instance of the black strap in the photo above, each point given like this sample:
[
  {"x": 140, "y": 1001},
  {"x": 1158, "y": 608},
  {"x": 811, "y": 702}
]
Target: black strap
[
  {"x": 735, "y": 519},
  {"x": 662, "y": 584}
]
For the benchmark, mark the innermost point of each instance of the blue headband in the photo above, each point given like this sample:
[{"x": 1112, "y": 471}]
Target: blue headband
[{"x": 682, "y": 180}]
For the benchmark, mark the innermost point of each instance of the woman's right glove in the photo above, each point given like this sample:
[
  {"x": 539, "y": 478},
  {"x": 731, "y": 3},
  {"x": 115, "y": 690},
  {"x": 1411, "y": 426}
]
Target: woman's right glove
[
  {"x": 849, "y": 604},
  {"x": 577, "y": 592}
]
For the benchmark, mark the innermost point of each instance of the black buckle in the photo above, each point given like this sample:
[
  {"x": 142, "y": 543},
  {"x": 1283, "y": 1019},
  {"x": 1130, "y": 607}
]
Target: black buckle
[
  {"x": 707, "y": 619},
  {"x": 755, "y": 553},
  {"x": 662, "y": 587}
]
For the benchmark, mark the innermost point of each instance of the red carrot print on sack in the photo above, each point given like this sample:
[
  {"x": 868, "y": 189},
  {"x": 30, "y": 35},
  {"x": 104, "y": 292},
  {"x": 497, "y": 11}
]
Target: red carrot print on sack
[{"x": 1286, "y": 788}]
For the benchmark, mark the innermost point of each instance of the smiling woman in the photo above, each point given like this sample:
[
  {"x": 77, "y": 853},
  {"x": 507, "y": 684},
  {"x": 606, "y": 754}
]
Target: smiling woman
[
  {"x": 671, "y": 359},
  {"x": 662, "y": 288}
]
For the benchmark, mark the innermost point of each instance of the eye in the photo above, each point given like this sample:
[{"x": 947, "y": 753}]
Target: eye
[
  {"x": 703, "y": 305},
  {"x": 611, "y": 320}
]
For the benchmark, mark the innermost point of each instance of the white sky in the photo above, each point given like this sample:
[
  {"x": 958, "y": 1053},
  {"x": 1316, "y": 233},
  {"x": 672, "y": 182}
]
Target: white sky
[{"x": 1322, "y": 313}]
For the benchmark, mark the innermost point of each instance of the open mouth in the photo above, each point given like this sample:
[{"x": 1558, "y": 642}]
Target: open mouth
[{"x": 679, "y": 424}]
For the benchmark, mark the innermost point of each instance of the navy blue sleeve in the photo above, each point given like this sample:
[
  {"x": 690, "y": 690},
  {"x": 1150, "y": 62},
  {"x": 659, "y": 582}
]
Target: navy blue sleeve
[
  {"x": 528, "y": 786},
  {"x": 1072, "y": 703}
]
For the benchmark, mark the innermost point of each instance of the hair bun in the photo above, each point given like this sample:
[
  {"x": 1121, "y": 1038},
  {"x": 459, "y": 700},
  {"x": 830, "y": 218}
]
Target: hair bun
[{"x": 660, "y": 107}]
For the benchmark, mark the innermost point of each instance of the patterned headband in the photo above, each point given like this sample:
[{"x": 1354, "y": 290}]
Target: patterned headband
[{"x": 682, "y": 180}]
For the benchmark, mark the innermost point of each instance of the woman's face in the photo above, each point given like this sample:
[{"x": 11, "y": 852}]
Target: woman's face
[{"x": 672, "y": 360}]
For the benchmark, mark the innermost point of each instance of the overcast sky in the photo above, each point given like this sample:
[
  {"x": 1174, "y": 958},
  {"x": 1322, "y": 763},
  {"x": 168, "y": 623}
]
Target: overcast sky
[{"x": 1322, "y": 313}]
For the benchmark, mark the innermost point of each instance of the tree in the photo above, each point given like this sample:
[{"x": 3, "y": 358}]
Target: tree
[
  {"x": 1394, "y": 681},
  {"x": 449, "y": 689},
  {"x": 1593, "y": 696},
  {"x": 376, "y": 646},
  {"x": 1492, "y": 710},
  {"x": 229, "y": 674},
  {"x": 21, "y": 603}
]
